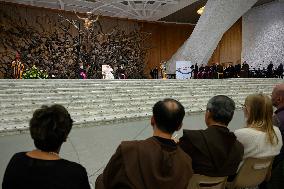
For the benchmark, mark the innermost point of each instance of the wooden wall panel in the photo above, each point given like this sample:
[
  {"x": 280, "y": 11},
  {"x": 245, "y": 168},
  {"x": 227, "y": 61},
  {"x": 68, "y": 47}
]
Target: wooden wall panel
[
  {"x": 173, "y": 36},
  {"x": 164, "y": 41},
  {"x": 230, "y": 46},
  {"x": 215, "y": 56},
  {"x": 154, "y": 53}
]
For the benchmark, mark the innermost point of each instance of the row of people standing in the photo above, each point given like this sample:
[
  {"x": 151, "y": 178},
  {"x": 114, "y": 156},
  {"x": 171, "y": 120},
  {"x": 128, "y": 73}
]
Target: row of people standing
[
  {"x": 159, "y": 161},
  {"x": 217, "y": 71},
  {"x": 272, "y": 73},
  {"x": 158, "y": 73},
  {"x": 154, "y": 73}
]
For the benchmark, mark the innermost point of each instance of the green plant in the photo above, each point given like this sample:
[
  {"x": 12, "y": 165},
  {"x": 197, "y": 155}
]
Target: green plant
[{"x": 35, "y": 73}]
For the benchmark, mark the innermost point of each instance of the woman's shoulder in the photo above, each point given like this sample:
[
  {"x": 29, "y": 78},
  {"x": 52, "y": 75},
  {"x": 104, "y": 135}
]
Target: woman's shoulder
[
  {"x": 72, "y": 165},
  {"x": 19, "y": 156},
  {"x": 249, "y": 130},
  {"x": 248, "y": 133},
  {"x": 245, "y": 130},
  {"x": 62, "y": 163},
  {"x": 277, "y": 131}
]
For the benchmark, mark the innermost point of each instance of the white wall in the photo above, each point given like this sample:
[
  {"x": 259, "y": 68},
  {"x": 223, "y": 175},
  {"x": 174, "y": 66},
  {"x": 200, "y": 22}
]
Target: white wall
[
  {"x": 218, "y": 17},
  {"x": 263, "y": 35}
]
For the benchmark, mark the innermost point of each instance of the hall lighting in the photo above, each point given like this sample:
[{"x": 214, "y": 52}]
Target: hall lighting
[{"x": 201, "y": 10}]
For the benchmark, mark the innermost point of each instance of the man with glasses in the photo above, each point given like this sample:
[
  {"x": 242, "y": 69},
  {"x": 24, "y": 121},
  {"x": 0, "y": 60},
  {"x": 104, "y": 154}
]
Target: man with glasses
[{"x": 215, "y": 151}]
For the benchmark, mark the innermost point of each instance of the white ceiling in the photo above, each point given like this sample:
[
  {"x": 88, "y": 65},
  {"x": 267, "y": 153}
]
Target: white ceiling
[{"x": 151, "y": 10}]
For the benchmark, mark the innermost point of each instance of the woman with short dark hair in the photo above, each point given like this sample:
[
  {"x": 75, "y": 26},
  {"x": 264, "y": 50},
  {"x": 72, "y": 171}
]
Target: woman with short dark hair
[{"x": 43, "y": 167}]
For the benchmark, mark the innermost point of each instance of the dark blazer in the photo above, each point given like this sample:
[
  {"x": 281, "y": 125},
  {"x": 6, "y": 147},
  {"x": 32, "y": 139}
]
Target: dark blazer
[
  {"x": 214, "y": 151},
  {"x": 278, "y": 120}
]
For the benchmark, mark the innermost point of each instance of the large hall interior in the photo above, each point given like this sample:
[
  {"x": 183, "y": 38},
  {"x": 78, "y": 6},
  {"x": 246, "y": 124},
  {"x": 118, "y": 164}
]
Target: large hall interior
[{"x": 158, "y": 74}]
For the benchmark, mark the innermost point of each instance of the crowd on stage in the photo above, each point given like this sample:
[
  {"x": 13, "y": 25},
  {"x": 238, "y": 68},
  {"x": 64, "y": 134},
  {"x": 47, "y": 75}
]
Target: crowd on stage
[
  {"x": 162, "y": 161},
  {"x": 221, "y": 71},
  {"x": 218, "y": 71}
]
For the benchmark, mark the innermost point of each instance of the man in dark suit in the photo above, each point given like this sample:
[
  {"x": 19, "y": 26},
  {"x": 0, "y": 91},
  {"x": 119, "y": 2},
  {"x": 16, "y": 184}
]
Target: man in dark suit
[
  {"x": 156, "y": 73},
  {"x": 270, "y": 70},
  {"x": 280, "y": 71},
  {"x": 195, "y": 71},
  {"x": 238, "y": 70},
  {"x": 277, "y": 98},
  {"x": 220, "y": 71},
  {"x": 214, "y": 151},
  {"x": 245, "y": 70},
  {"x": 276, "y": 180}
]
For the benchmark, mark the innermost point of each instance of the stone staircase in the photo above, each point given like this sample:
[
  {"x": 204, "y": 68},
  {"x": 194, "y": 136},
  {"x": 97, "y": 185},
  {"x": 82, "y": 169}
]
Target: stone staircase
[{"x": 98, "y": 102}]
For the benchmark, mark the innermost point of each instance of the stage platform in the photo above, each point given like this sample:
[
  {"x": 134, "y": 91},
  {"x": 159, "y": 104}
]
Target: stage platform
[{"x": 101, "y": 102}]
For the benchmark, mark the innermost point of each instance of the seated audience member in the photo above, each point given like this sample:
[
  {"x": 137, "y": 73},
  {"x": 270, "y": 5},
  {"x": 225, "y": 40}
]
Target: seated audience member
[
  {"x": 157, "y": 162},
  {"x": 276, "y": 180},
  {"x": 277, "y": 98},
  {"x": 215, "y": 151},
  {"x": 259, "y": 138},
  {"x": 277, "y": 174},
  {"x": 43, "y": 167}
]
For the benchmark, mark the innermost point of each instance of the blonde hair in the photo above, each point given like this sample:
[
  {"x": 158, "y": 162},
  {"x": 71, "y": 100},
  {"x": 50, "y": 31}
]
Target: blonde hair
[{"x": 260, "y": 112}]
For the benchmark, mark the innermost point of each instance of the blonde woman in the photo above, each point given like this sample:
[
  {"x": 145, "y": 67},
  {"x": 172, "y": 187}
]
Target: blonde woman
[{"x": 259, "y": 138}]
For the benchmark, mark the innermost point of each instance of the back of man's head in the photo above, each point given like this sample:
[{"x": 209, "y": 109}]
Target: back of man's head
[
  {"x": 168, "y": 115},
  {"x": 221, "y": 109}
]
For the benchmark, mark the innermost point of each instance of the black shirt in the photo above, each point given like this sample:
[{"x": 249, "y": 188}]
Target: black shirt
[{"x": 26, "y": 172}]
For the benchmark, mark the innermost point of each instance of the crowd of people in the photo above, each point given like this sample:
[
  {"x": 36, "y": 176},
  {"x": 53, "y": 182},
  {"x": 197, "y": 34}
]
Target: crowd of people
[
  {"x": 218, "y": 71},
  {"x": 221, "y": 71},
  {"x": 159, "y": 161}
]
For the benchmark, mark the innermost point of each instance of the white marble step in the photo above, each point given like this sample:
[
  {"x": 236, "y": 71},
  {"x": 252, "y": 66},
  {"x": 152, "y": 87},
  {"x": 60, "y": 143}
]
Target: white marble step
[
  {"x": 103, "y": 108},
  {"x": 8, "y": 108},
  {"x": 86, "y": 120},
  {"x": 91, "y": 102},
  {"x": 122, "y": 88}
]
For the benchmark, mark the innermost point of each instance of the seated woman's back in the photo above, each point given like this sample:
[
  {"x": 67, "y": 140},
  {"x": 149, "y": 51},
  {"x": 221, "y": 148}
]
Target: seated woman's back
[
  {"x": 26, "y": 172},
  {"x": 259, "y": 138},
  {"x": 43, "y": 167},
  {"x": 256, "y": 144}
]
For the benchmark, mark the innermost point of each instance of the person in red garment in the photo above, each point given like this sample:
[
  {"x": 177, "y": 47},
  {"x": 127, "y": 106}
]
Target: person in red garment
[{"x": 18, "y": 67}]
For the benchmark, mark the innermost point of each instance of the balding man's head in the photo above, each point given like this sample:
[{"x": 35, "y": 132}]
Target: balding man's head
[
  {"x": 277, "y": 96},
  {"x": 168, "y": 115}
]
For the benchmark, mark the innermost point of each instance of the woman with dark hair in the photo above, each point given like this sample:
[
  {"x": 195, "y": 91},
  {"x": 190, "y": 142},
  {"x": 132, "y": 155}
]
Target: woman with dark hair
[{"x": 43, "y": 167}]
